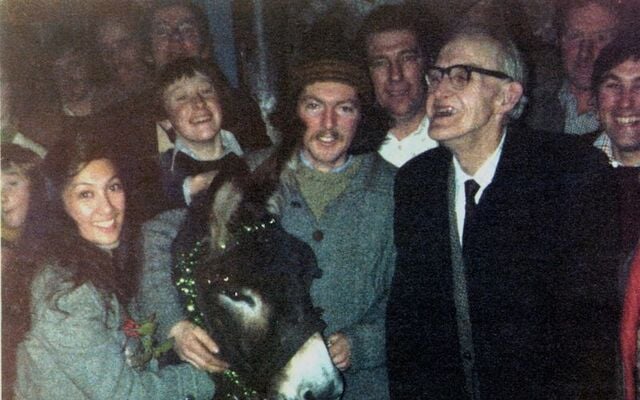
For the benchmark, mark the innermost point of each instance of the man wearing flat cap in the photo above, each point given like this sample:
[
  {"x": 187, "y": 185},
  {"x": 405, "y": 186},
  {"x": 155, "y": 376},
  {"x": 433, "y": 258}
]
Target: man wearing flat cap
[{"x": 336, "y": 194}]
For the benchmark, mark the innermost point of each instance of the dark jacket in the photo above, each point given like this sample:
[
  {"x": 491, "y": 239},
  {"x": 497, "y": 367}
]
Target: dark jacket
[
  {"x": 544, "y": 111},
  {"x": 540, "y": 263}
]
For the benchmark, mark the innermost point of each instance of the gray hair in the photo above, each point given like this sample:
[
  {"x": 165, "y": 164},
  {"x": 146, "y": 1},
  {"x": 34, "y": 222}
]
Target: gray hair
[{"x": 512, "y": 62}]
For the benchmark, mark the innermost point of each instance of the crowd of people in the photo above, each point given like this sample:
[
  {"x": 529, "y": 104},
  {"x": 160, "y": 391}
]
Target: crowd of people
[{"x": 475, "y": 213}]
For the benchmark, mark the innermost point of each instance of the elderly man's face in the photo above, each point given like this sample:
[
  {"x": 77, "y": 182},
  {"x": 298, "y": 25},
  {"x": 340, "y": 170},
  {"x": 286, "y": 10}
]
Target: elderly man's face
[
  {"x": 619, "y": 107},
  {"x": 397, "y": 72},
  {"x": 473, "y": 114},
  {"x": 175, "y": 34},
  {"x": 330, "y": 112},
  {"x": 587, "y": 31}
]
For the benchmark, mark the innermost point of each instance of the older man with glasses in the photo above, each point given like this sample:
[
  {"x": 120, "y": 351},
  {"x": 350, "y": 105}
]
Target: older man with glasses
[{"x": 504, "y": 286}]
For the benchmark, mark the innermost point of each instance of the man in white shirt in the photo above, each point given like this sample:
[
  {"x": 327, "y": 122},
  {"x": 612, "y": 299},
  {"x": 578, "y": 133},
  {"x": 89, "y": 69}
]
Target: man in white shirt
[{"x": 396, "y": 60}]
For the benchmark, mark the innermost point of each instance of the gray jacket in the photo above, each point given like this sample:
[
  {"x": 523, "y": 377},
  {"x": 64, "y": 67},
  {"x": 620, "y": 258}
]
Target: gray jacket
[
  {"x": 353, "y": 243},
  {"x": 75, "y": 350},
  {"x": 158, "y": 293}
]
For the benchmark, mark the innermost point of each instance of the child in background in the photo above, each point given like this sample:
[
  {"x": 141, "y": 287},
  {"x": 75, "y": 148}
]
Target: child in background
[{"x": 20, "y": 172}]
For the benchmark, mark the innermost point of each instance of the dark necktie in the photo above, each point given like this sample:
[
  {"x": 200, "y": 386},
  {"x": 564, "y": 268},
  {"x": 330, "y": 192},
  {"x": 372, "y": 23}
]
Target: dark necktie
[
  {"x": 190, "y": 166},
  {"x": 471, "y": 187}
]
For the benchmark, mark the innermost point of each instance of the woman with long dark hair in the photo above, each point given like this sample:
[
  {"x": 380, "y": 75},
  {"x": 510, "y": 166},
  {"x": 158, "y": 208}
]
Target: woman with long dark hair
[{"x": 80, "y": 339}]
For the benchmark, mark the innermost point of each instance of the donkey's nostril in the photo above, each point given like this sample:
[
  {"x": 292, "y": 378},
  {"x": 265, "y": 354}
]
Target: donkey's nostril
[{"x": 308, "y": 395}]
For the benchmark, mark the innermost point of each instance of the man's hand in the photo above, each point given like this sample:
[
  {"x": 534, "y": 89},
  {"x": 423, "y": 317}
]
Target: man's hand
[
  {"x": 192, "y": 344},
  {"x": 340, "y": 350}
]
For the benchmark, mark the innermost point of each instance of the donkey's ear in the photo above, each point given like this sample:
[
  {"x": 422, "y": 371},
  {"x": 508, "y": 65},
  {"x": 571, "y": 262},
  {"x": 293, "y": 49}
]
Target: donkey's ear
[{"x": 224, "y": 205}]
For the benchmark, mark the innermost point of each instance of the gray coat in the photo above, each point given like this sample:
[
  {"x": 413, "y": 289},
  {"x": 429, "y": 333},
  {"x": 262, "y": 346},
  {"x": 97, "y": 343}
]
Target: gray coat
[
  {"x": 353, "y": 243},
  {"x": 158, "y": 293},
  {"x": 75, "y": 350}
]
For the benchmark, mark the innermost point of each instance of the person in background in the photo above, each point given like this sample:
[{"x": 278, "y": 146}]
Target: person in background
[
  {"x": 20, "y": 170},
  {"x": 76, "y": 292},
  {"x": 22, "y": 180},
  {"x": 396, "y": 53},
  {"x": 120, "y": 45},
  {"x": 193, "y": 95},
  {"x": 567, "y": 105},
  {"x": 507, "y": 241},
  {"x": 616, "y": 85},
  {"x": 74, "y": 76}
]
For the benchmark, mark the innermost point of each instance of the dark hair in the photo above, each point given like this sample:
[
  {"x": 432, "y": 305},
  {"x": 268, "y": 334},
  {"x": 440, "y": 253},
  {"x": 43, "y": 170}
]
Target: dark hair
[
  {"x": 396, "y": 17},
  {"x": 188, "y": 68},
  {"x": 565, "y": 7},
  {"x": 52, "y": 238},
  {"x": 199, "y": 15},
  {"x": 623, "y": 48}
]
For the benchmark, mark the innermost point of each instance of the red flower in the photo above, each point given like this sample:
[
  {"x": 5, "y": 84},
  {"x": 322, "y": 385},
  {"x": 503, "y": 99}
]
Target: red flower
[{"x": 130, "y": 328}]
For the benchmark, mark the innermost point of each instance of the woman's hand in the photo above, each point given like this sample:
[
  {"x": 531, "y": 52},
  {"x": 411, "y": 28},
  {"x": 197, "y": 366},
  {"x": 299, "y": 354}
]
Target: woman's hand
[
  {"x": 193, "y": 345},
  {"x": 340, "y": 350}
]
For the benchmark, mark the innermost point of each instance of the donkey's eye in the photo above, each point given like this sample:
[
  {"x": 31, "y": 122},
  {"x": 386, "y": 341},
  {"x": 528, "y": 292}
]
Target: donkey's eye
[{"x": 235, "y": 295}]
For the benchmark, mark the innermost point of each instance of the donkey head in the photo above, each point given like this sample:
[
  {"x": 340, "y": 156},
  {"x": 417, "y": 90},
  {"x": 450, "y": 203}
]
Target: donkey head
[{"x": 253, "y": 290}]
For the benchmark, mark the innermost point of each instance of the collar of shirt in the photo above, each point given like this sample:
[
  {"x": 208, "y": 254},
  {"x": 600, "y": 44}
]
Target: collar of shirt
[
  {"x": 573, "y": 123},
  {"x": 398, "y": 152},
  {"x": 336, "y": 170},
  {"x": 229, "y": 145},
  {"x": 483, "y": 177},
  {"x": 603, "y": 142}
]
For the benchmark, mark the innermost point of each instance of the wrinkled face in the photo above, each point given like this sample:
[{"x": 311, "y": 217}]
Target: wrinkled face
[
  {"x": 94, "y": 199},
  {"x": 330, "y": 112},
  {"x": 175, "y": 35},
  {"x": 587, "y": 31},
  {"x": 396, "y": 68},
  {"x": 193, "y": 107},
  {"x": 471, "y": 114},
  {"x": 16, "y": 190},
  {"x": 121, "y": 51},
  {"x": 619, "y": 107},
  {"x": 71, "y": 75}
]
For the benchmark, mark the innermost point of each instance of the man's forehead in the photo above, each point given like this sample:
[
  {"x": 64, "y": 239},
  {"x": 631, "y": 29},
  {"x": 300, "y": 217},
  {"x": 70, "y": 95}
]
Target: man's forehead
[
  {"x": 589, "y": 18},
  {"x": 480, "y": 51},
  {"x": 329, "y": 90},
  {"x": 381, "y": 41},
  {"x": 185, "y": 81}
]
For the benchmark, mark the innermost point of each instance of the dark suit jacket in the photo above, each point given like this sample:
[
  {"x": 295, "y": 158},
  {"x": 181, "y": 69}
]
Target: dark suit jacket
[{"x": 541, "y": 273}]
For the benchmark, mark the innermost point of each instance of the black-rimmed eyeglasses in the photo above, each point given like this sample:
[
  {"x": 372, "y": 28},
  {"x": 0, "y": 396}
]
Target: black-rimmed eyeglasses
[{"x": 459, "y": 75}]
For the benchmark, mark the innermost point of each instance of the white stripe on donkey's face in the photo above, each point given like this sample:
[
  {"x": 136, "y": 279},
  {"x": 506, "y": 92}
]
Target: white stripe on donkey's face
[{"x": 310, "y": 374}]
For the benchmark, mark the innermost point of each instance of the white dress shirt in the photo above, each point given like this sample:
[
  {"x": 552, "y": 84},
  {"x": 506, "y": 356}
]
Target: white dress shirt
[{"x": 483, "y": 177}]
